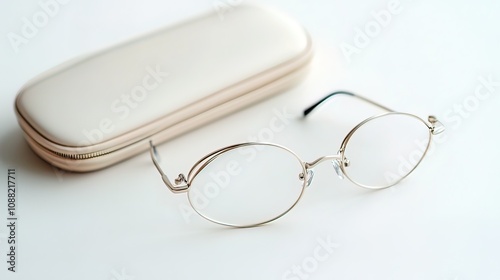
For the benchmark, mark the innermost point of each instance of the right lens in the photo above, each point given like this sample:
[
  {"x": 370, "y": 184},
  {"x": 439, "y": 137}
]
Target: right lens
[
  {"x": 247, "y": 185},
  {"x": 385, "y": 149}
]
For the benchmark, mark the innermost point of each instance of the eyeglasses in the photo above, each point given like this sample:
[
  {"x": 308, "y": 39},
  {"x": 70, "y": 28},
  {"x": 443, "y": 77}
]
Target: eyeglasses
[{"x": 252, "y": 183}]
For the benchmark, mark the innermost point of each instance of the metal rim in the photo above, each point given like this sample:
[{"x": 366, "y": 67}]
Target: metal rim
[
  {"x": 345, "y": 142},
  {"x": 205, "y": 161}
]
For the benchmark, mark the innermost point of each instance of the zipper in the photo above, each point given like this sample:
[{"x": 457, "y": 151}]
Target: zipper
[{"x": 80, "y": 156}]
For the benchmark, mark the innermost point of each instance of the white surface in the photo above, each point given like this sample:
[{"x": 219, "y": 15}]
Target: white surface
[{"x": 122, "y": 223}]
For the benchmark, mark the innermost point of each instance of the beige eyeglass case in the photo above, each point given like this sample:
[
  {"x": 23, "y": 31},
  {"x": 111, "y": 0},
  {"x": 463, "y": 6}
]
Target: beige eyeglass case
[{"x": 100, "y": 109}]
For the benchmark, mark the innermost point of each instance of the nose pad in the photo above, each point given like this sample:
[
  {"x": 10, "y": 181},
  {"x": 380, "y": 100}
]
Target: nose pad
[
  {"x": 336, "y": 165},
  {"x": 310, "y": 176}
]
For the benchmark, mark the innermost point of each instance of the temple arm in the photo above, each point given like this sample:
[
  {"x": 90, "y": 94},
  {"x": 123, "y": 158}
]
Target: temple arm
[
  {"x": 177, "y": 188},
  {"x": 324, "y": 99}
]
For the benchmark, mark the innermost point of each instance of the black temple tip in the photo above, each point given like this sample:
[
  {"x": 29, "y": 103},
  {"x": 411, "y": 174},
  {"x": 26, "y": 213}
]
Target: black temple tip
[{"x": 312, "y": 107}]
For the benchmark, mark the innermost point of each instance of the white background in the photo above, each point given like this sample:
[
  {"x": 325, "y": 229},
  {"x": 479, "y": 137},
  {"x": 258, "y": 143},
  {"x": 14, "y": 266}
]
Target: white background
[{"x": 122, "y": 223}]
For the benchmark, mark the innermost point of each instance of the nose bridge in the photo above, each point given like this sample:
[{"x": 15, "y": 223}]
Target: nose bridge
[{"x": 312, "y": 164}]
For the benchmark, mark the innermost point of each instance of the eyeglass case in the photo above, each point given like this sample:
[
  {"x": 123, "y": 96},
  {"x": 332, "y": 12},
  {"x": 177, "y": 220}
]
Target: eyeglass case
[{"x": 100, "y": 109}]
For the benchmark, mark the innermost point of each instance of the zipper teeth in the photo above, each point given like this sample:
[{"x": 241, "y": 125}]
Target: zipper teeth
[{"x": 81, "y": 156}]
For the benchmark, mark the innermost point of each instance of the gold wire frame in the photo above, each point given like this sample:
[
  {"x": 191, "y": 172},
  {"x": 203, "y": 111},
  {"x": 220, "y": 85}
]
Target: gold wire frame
[{"x": 182, "y": 183}]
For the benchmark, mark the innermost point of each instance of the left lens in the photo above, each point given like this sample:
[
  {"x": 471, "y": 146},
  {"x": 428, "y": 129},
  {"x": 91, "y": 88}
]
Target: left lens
[
  {"x": 247, "y": 185},
  {"x": 384, "y": 149}
]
